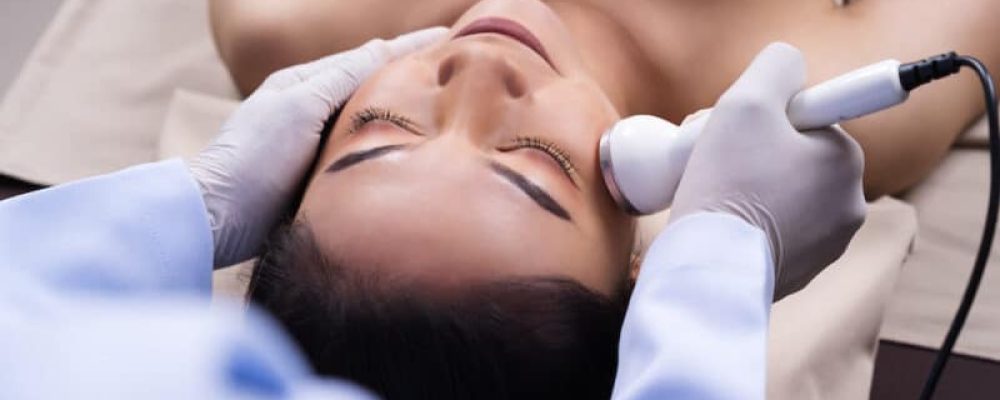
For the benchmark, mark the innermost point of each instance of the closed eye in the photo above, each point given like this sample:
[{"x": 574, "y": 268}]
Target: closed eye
[
  {"x": 549, "y": 148},
  {"x": 373, "y": 113}
]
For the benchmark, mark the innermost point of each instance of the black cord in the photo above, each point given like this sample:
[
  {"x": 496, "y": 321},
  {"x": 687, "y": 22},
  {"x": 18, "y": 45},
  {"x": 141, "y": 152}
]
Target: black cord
[{"x": 988, "y": 230}]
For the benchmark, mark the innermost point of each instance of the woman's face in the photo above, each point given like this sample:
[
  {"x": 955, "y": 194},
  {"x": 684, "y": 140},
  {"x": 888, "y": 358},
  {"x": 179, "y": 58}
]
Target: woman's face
[{"x": 475, "y": 159}]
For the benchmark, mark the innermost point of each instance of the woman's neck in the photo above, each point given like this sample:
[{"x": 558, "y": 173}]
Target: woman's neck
[{"x": 613, "y": 58}]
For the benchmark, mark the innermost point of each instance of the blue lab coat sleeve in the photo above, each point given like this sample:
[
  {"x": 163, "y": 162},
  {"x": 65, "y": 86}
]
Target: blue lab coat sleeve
[
  {"x": 143, "y": 230},
  {"x": 696, "y": 327},
  {"x": 104, "y": 294}
]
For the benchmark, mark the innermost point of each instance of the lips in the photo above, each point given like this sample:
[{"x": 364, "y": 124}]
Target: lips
[{"x": 506, "y": 27}]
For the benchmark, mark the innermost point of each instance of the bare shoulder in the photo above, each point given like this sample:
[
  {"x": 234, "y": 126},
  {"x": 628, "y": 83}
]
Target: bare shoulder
[
  {"x": 257, "y": 37},
  {"x": 901, "y": 145},
  {"x": 904, "y": 144}
]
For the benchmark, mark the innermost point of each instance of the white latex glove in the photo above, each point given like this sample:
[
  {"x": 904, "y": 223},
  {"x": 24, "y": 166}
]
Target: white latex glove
[
  {"x": 804, "y": 190},
  {"x": 250, "y": 173}
]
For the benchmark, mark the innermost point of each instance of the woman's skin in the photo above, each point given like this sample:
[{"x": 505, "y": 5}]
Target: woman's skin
[
  {"x": 465, "y": 191},
  {"x": 673, "y": 57},
  {"x": 436, "y": 209}
]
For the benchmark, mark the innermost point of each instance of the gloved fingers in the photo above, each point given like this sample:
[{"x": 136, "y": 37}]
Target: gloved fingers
[
  {"x": 362, "y": 60},
  {"x": 838, "y": 149},
  {"x": 327, "y": 91},
  {"x": 333, "y": 79},
  {"x": 775, "y": 75},
  {"x": 375, "y": 53},
  {"x": 855, "y": 159},
  {"x": 413, "y": 41}
]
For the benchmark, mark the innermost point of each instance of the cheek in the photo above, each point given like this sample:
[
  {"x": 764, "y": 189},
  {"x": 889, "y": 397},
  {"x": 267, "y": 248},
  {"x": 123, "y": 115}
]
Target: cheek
[
  {"x": 622, "y": 235},
  {"x": 577, "y": 113},
  {"x": 608, "y": 244},
  {"x": 311, "y": 207}
]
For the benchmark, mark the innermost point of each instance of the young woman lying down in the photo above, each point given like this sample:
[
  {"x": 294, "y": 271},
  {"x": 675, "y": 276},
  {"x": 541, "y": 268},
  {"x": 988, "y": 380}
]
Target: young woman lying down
[{"x": 456, "y": 227}]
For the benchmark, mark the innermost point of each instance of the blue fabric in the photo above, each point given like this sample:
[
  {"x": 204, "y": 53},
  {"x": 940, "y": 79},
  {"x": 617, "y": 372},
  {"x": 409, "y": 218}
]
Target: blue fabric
[
  {"x": 104, "y": 294},
  {"x": 105, "y": 283},
  {"x": 89, "y": 236}
]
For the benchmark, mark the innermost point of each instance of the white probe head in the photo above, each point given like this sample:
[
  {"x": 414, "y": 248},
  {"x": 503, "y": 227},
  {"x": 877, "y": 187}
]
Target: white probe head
[{"x": 642, "y": 160}]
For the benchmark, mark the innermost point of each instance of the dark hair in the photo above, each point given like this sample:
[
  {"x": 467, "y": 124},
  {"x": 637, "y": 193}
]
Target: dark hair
[{"x": 514, "y": 338}]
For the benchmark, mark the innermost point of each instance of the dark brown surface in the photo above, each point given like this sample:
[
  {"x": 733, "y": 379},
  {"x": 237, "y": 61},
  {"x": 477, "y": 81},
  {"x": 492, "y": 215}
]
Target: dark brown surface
[
  {"x": 900, "y": 371},
  {"x": 10, "y": 187}
]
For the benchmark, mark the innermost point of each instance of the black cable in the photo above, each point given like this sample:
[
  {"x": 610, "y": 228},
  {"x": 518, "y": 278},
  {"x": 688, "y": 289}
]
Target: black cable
[{"x": 918, "y": 73}]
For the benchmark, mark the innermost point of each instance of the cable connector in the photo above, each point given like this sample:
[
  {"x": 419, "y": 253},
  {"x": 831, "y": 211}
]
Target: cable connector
[{"x": 917, "y": 73}]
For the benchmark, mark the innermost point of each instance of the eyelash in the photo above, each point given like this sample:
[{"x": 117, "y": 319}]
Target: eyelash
[
  {"x": 371, "y": 114},
  {"x": 535, "y": 143}
]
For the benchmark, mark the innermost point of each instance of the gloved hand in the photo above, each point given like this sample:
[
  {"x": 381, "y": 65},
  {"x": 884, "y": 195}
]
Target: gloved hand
[
  {"x": 804, "y": 190},
  {"x": 253, "y": 169}
]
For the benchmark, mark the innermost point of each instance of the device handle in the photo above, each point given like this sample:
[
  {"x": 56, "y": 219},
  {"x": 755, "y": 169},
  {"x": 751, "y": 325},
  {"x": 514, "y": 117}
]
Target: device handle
[{"x": 848, "y": 96}]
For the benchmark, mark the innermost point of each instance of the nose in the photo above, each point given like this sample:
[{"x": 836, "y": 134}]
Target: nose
[{"x": 482, "y": 93}]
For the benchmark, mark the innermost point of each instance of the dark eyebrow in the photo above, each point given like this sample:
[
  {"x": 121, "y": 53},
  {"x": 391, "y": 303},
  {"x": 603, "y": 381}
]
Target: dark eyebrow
[
  {"x": 353, "y": 159},
  {"x": 536, "y": 193}
]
